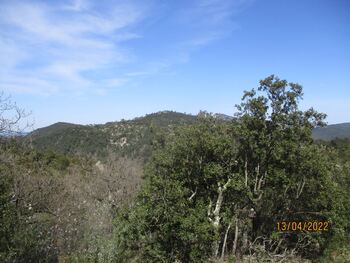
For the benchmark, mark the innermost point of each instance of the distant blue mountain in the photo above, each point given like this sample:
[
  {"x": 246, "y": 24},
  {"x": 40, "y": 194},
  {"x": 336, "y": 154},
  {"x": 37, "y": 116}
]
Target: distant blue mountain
[
  {"x": 13, "y": 134},
  {"x": 131, "y": 137},
  {"x": 330, "y": 132}
]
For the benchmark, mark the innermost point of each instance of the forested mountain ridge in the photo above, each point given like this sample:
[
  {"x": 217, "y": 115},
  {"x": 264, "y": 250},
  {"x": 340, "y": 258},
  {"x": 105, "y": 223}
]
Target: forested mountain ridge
[
  {"x": 171, "y": 187},
  {"x": 216, "y": 191},
  {"x": 330, "y": 132},
  {"x": 130, "y": 138},
  {"x": 133, "y": 138}
]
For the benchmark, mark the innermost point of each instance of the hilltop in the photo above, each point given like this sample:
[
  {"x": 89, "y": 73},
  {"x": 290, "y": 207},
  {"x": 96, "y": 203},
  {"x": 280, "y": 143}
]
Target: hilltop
[
  {"x": 330, "y": 132},
  {"x": 132, "y": 138}
]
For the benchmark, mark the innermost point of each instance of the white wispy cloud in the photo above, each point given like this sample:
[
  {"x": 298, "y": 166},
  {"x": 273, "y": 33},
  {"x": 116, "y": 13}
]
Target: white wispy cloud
[
  {"x": 43, "y": 44},
  {"x": 27, "y": 85},
  {"x": 77, "y": 5},
  {"x": 210, "y": 20},
  {"x": 199, "y": 23},
  {"x": 79, "y": 46}
]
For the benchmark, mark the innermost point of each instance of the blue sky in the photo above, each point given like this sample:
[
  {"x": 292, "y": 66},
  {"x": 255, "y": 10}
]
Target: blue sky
[{"x": 88, "y": 62}]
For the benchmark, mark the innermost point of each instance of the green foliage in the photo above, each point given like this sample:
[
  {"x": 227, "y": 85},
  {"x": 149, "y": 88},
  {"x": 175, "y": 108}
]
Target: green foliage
[
  {"x": 7, "y": 214},
  {"x": 262, "y": 168},
  {"x": 288, "y": 177},
  {"x": 165, "y": 225},
  {"x": 341, "y": 147},
  {"x": 58, "y": 207},
  {"x": 331, "y": 132},
  {"x": 215, "y": 187},
  {"x": 25, "y": 235},
  {"x": 125, "y": 138}
]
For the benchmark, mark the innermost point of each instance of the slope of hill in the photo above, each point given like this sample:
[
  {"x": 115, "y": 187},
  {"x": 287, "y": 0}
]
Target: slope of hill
[
  {"x": 330, "y": 132},
  {"x": 130, "y": 138}
]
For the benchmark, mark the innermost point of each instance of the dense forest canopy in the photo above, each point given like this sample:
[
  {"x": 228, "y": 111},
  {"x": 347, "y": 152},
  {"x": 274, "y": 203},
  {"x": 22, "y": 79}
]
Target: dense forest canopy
[
  {"x": 212, "y": 189},
  {"x": 216, "y": 190}
]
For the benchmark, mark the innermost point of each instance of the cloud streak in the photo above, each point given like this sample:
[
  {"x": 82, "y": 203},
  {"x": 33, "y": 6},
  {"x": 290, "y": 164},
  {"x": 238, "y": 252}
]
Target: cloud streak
[
  {"x": 80, "y": 46},
  {"x": 48, "y": 44}
]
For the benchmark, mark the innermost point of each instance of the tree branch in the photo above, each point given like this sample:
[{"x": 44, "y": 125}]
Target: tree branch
[{"x": 193, "y": 194}]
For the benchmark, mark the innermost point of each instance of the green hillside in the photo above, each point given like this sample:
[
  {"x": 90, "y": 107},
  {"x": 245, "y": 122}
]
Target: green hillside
[
  {"x": 173, "y": 187},
  {"x": 330, "y": 132},
  {"x": 130, "y": 138}
]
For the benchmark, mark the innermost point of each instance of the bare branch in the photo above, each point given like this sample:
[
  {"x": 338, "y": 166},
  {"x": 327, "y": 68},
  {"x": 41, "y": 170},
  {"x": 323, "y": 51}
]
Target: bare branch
[
  {"x": 300, "y": 188},
  {"x": 246, "y": 171},
  {"x": 193, "y": 194},
  {"x": 11, "y": 117},
  {"x": 225, "y": 240}
]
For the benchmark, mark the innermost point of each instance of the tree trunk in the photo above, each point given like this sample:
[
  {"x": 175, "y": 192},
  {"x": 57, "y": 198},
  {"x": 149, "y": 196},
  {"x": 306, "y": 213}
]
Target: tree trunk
[
  {"x": 234, "y": 247},
  {"x": 216, "y": 214},
  {"x": 246, "y": 171},
  {"x": 224, "y": 244},
  {"x": 244, "y": 240}
]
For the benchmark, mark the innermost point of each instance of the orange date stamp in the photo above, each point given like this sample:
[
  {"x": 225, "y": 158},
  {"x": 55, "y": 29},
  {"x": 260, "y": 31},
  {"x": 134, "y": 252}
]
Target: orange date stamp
[{"x": 303, "y": 226}]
